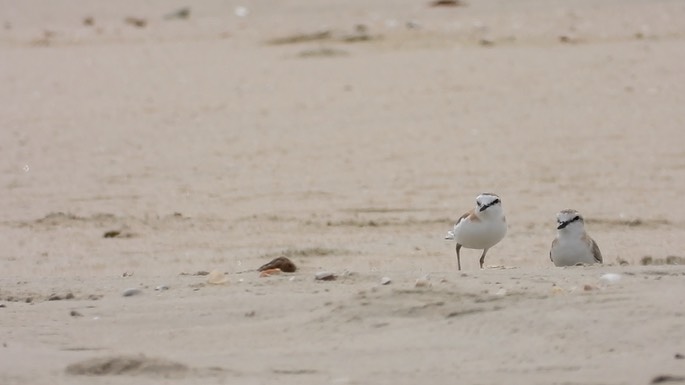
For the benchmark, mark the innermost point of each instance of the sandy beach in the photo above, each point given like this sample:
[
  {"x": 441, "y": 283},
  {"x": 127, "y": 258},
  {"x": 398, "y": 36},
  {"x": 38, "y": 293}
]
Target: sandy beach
[{"x": 146, "y": 144}]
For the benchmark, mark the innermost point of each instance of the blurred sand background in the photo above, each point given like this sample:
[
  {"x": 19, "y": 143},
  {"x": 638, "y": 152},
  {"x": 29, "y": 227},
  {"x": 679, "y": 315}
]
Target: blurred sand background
[{"x": 348, "y": 136}]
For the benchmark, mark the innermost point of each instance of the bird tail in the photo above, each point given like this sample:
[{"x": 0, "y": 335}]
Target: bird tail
[{"x": 450, "y": 235}]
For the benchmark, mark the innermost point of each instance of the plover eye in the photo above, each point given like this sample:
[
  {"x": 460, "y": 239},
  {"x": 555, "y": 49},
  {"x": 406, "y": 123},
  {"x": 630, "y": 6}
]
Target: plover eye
[{"x": 479, "y": 204}]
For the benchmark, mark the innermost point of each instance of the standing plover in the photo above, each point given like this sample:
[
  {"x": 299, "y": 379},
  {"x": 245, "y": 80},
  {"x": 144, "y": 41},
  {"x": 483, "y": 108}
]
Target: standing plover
[
  {"x": 481, "y": 227},
  {"x": 573, "y": 245}
]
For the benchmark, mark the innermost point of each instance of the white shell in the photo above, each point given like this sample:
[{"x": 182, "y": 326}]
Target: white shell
[{"x": 610, "y": 278}]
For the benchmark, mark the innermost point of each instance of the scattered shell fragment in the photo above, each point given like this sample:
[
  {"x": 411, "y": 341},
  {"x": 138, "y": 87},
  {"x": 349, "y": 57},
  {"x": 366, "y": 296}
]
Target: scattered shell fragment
[
  {"x": 422, "y": 282},
  {"x": 282, "y": 263},
  {"x": 385, "y": 281},
  {"x": 269, "y": 273},
  {"x": 241, "y": 11},
  {"x": 325, "y": 276},
  {"x": 216, "y": 277},
  {"x": 501, "y": 292},
  {"x": 610, "y": 278},
  {"x": 557, "y": 290},
  {"x": 162, "y": 288},
  {"x": 131, "y": 292}
]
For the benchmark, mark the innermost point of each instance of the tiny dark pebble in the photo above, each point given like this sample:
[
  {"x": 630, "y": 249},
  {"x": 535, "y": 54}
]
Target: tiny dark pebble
[
  {"x": 182, "y": 13},
  {"x": 55, "y": 297},
  {"x": 250, "y": 313},
  {"x": 111, "y": 234},
  {"x": 679, "y": 356},
  {"x": 136, "y": 22},
  {"x": 446, "y": 3},
  {"x": 131, "y": 292},
  {"x": 2, "y": 305},
  {"x": 283, "y": 263},
  {"x": 69, "y": 296},
  {"x": 486, "y": 42},
  {"x": 667, "y": 378},
  {"x": 74, "y": 313}
]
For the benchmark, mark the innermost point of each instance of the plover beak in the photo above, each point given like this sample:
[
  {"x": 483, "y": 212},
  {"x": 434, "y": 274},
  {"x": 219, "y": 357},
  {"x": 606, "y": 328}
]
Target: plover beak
[{"x": 562, "y": 225}]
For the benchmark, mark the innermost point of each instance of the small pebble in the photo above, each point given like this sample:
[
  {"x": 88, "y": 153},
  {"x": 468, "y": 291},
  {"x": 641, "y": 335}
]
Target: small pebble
[
  {"x": 162, "y": 288},
  {"x": 422, "y": 282},
  {"x": 136, "y": 22},
  {"x": 385, "y": 281},
  {"x": 557, "y": 290},
  {"x": 588, "y": 287},
  {"x": 282, "y": 263},
  {"x": 610, "y": 278},
  {"x": 131, "y": 292},
  {"x": 679, "y": 356},
  {"x": 325, "y": 276},
  {"x": 74, "y": 313}
]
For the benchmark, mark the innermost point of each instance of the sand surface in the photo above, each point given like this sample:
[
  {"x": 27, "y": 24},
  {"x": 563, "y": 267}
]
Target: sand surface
[{"x": 348, "y": 136}]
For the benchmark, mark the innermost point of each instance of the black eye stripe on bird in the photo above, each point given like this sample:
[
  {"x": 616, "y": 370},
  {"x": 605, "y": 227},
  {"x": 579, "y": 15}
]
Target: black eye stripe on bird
[
  {"x": 483, "y": 208},
  {"x": 566, "y": 223}
]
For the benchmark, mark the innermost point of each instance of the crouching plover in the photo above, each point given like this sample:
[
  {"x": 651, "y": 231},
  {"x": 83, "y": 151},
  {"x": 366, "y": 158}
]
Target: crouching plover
[
  {"x": 481, "y": 227},
  {"x": 573, "y": 246}
]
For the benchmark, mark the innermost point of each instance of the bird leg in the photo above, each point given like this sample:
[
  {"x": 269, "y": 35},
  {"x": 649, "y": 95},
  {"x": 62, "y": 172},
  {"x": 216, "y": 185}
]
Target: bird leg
[
  {"x": 458, "y": 259},
  {"x": 482, "y": 258}
]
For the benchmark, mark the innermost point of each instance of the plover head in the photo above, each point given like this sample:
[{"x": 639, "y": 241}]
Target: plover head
[
  {"x": 569, "y": 219},
  {"x": 488, "y": 201}
]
